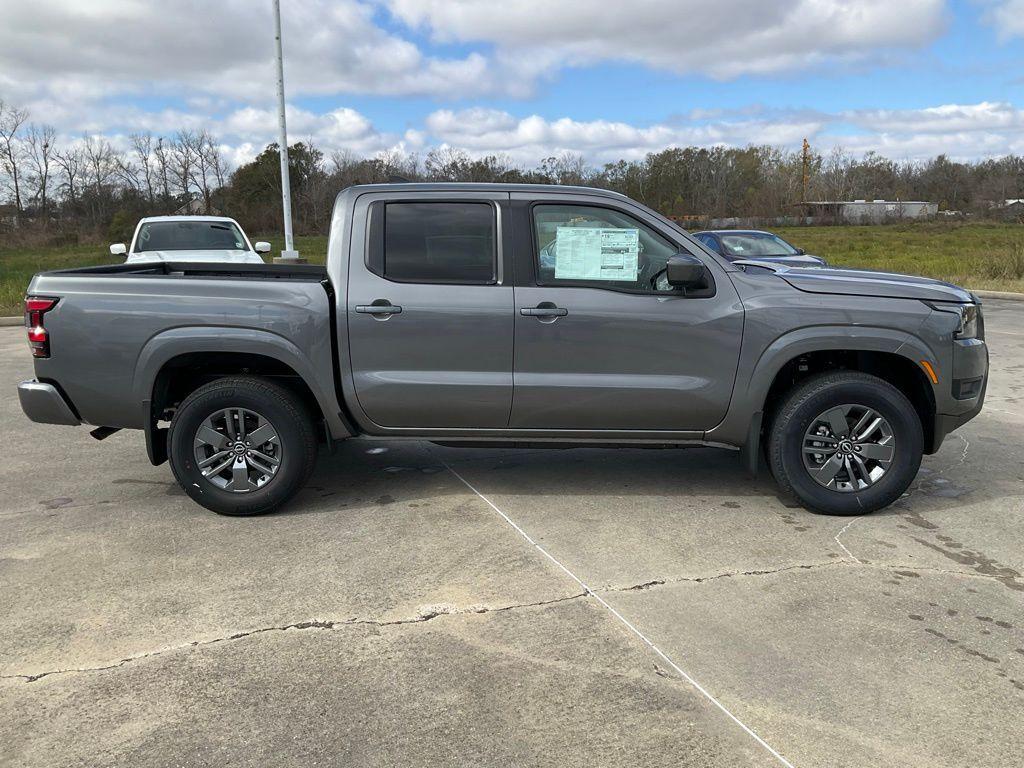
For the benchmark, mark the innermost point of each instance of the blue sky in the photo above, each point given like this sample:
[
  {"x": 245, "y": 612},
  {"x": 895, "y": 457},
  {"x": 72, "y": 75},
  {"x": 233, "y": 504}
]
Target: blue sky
[{"x": 530, "y": 78}]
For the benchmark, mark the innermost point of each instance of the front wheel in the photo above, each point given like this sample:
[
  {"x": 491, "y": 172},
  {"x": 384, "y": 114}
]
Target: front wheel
[
  {"x": 845, "y": 443},
  {"x": 241, "y": 446}
]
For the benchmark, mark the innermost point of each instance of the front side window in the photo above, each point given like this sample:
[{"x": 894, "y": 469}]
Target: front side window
[
  {"x": 439, "y": 242},
  {"x": 579, "y": 244},
  {"x": 750, "y": 245},
  {"x": 189, "y": 236}
]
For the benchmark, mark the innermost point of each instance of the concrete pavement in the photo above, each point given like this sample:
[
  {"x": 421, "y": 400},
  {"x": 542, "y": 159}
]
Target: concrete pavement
[{"x": 403, "y": 610}]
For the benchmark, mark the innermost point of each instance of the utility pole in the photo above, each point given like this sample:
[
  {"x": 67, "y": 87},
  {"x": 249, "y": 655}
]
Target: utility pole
[
  {"x": 807, "y": 170},
  {"x": 289, "y": 255}
]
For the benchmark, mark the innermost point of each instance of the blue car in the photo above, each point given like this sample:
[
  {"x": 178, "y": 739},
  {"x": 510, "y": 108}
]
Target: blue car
[{"x": 736, "y": 244}]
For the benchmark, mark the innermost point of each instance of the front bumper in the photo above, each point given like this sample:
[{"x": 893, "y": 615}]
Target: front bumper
[
  {"x": 45, "y": 404},
  {"x": 967, "y": 386}
]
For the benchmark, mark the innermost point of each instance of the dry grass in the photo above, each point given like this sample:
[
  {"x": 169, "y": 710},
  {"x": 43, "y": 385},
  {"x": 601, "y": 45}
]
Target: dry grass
[{"x": 975, "y": 255}]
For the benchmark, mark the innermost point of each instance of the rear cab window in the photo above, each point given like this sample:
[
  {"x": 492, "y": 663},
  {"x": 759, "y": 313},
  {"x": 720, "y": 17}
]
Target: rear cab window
[{"x": 434, "y": 242}]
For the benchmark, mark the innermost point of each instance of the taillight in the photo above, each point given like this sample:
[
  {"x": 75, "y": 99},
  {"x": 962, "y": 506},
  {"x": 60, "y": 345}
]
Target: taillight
[{"x": 38, "y": 338}]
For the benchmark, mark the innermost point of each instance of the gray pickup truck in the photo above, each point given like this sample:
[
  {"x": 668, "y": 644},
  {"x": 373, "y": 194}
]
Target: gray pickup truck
[{"x": 436, "y": 318}]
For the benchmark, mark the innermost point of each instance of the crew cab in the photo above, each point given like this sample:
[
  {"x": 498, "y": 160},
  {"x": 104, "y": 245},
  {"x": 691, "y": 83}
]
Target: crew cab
[
  {"x": 437, "y": 318},
  {"x": 190, "y": 238}
]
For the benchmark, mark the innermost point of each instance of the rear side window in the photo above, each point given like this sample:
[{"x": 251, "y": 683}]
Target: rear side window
[{"x": 439, "y": 242}]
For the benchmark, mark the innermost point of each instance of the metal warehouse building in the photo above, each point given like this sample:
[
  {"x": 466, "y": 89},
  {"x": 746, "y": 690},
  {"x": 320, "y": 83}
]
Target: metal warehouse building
[{"x": 871, "y": 211}]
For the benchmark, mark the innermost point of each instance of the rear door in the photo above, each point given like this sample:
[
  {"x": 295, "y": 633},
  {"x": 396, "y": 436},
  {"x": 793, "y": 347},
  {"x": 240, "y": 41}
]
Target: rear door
[
  {"x": 430, "y": 311},
  {"x": 600, "y": 344}
]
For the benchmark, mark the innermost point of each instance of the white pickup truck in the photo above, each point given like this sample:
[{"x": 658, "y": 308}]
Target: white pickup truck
[{"x": 190, "y": 238}]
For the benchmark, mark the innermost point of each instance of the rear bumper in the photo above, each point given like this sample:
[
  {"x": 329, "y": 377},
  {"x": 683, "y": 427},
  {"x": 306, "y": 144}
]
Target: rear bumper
[{"x": 45, "y": 404}]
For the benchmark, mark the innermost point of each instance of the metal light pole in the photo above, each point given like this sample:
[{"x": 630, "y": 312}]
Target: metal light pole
[{"x": 289, "y": 254}]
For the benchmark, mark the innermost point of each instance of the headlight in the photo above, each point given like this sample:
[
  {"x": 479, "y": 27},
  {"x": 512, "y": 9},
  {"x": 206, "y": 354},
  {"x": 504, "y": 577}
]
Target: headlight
[
  {"x": 969, "y": 318},
  {"x": 968, "y": 328}
]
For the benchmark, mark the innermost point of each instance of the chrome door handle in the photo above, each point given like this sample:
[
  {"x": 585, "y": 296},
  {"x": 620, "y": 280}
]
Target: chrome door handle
[
  {"x": 542, "y": 311},
  {"x": 378, "y": 309}
]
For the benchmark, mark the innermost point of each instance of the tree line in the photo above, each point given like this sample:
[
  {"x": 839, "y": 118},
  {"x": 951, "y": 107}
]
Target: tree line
[{"x": 89, "y": 189}]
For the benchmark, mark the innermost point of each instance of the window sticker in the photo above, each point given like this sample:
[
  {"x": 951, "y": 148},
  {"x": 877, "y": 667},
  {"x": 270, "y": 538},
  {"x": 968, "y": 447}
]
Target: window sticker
[{"x": 591, "y": 253}]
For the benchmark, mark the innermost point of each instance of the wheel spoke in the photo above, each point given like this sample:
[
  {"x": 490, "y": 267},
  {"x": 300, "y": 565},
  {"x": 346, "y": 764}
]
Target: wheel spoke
[
  {"x": 240, "y": 476},
  {"x": 865, "y": 475},
  {"x": 213, "y": 459},
  {"x": 263, "y": 434},
  {"x": 836, "y": 419},
  {"x": 828, "y": 471},
  {"x": 211, "y": 437},
  {"x": 873, "y": 426},
  {"x": 262, "y": 463},
  {"x": 880, "y": 452},
  {"x": 219, "y": 468}
]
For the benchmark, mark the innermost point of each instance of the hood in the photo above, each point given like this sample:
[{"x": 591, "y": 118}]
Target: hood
[
  {"x": 861, "y": 282},
  {"x": 207, "y": 256}
]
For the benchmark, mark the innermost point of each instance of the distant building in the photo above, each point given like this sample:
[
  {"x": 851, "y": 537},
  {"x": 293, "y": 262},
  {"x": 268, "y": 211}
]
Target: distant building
[
  {"x": 1012, "y": 210},
  {"x": 870, "y": 211},
  {"x": 9, "y": 215},
  {"x": 195, "y": 207}
]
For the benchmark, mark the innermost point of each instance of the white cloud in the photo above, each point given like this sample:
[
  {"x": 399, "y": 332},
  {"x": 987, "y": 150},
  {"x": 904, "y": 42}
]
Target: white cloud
[
  {"x": 1007, "y": 17},
  {"x": 721, "y": 38},
  {"x": 529, "y": 139},
  {"x": 985, "y": 116},
  {"x": 223, "y": 49}
]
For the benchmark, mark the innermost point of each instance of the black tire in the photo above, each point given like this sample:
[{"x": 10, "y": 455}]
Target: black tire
[
  {"x": 817, "y": 395},
  {"x": 294, "y": 430}
]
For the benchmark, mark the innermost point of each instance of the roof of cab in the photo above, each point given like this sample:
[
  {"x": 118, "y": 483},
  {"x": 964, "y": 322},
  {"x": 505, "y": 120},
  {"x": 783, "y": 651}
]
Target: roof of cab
[
  {"x": 445, "y": 186},
  {"x": 186, "y": 217}
]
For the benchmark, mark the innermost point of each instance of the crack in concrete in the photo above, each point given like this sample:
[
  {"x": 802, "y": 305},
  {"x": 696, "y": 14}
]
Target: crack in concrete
[
  {"x": 653, "y": 583},
  {"x": 711, "y": 577},
  {"x": 426, "y": 614}
]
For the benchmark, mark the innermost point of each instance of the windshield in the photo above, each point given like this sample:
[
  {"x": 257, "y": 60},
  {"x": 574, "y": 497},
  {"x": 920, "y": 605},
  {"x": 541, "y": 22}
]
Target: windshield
[
  {"x": 189, "y": 236},
  {"x": 750, "y": 245}
]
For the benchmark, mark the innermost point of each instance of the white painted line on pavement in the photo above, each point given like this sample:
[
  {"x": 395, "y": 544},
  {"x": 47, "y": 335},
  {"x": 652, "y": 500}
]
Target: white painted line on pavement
[
  {"x": 624, "y": 620},
  {"x": 843, "y": 546}
]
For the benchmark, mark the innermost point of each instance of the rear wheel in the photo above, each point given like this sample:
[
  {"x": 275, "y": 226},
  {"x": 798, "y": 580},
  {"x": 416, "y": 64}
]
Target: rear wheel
[
  {"x": 241, "y": 446},
  {"x": 845, "y": 443}
]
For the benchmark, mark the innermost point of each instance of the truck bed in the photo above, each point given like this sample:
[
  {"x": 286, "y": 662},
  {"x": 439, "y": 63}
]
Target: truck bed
[{"x": 114, "y": 327}]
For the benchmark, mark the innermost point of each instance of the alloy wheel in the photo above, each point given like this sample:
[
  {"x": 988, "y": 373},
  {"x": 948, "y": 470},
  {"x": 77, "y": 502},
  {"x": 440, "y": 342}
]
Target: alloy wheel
[
  {"x": 848, "y": 448},
  {"x": 237, "y": 450}
]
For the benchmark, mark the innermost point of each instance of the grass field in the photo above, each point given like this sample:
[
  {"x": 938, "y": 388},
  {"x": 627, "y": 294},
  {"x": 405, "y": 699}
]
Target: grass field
[{"x": 975, "y": 255}]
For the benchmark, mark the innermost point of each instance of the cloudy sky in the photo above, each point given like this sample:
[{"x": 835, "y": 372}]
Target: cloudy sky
[{"x": 531, "y": 78}]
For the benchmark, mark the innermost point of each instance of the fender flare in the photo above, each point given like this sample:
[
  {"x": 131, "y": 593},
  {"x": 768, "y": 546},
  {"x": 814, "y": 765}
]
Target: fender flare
[
  {"x": 752, "y": 386},
  {"x": 167, "y": 345}
]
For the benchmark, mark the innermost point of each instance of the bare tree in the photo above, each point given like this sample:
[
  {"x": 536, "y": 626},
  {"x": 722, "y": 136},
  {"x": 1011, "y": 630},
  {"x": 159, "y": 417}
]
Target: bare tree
[
  {"x": 160, "y": 154},
  {"x": 40, "y": 141},
  {"x": 100, "y": 168},
  {"x": 11, "y": 150},
  {"x": 182, "y": 160},
  {"x": 72, "y": 167},
  {"x": 142, "y": 145}
]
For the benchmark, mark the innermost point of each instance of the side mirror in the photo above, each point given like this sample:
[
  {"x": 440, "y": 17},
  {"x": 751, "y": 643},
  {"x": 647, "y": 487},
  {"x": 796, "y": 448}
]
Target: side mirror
[
  {"x": 118, "y": 249},
  {"x": 801, "y": 252},
  {"x": 262, "y": 247},
  {"x": 687, "y": 272}
]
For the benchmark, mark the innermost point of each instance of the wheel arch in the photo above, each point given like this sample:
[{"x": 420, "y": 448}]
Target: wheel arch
[
  {"x": 176, "y": 362},
  {"x": 892, "y": 355}
]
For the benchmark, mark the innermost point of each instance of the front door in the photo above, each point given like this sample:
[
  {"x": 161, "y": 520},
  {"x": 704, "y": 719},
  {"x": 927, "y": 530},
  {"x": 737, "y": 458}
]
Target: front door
[
  {"x": 601, "y": 342},
  {"x": 430, "y": 322}
]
